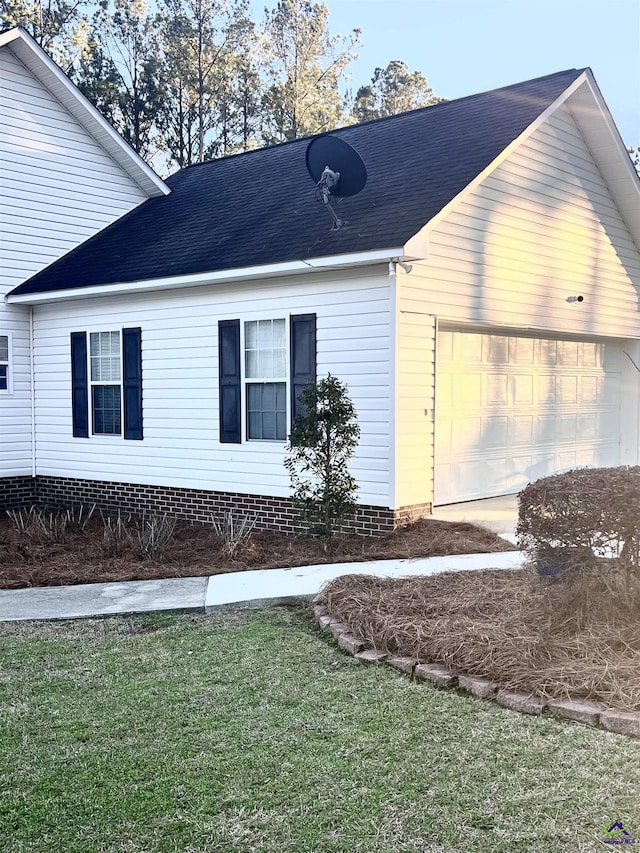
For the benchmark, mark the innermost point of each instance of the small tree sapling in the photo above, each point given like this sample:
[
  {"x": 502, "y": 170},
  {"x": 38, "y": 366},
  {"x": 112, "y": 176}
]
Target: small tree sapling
[{"x": 323, "y": 438}]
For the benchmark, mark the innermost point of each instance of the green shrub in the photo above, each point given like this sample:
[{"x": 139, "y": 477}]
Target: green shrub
[
  {"x": 582, "y": 516},
  {"x": 323, "y": 438}
]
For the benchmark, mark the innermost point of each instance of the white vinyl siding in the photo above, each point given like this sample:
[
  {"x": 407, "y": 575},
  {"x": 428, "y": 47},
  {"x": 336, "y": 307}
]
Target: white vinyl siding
[
  {"x": 15, "y": 404},
  {"x": 541, "y": 228},
  {"x": 57, "y": 185},
  {"x": 414, "y": 407},
  {"x": 57, "y": 188},
  {"x": 180, "y": 379}
]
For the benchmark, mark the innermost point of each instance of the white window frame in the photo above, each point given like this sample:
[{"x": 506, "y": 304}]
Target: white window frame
[
  {"x": 245, "y": 381},
  {"x": 102, "y": 382},
  {"x": 8, "y": 363}
]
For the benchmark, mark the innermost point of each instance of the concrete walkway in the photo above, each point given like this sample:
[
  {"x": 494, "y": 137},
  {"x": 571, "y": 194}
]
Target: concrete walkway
[
  {"x": 498, "y": 514},
  {"x": 203, "y": 594}
]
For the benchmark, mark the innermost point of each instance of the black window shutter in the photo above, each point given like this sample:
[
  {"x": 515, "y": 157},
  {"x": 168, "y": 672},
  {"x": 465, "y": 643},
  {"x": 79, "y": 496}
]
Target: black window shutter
[
  {"x": 79, "y": 385},
  {"x": 132, "y": 382},
  {"x": 303, "y": 355},
  {"x": 229, "y": 381}
]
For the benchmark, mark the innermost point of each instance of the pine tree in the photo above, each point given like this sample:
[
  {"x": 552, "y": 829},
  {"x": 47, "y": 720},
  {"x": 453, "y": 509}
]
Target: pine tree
[
  {"x": 392, "y": 90},
  {"x": 306, "y": 67}
]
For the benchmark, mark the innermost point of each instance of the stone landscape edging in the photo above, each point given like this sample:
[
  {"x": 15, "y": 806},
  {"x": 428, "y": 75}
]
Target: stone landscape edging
[{"x": 575, "y": 710}]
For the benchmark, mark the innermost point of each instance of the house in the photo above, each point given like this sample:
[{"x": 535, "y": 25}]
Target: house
[
  {"x": 480, "y": 301},
  {"x": 65, "y": 174}
]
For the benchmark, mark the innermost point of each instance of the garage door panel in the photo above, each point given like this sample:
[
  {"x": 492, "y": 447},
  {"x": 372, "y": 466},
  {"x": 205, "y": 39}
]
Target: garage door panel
[
  {"x": 466, "y": 435},
  {"x": 589, "y": 425},
  {"x": 566, "y": 389},
  {"x": 545, "y": 431},
  {"x": 567, "y": 353},
  {"x": 497, "y": 351},
  {"x": 471, "y": 350},
  {"x": 591, "y": 389},
  {"x": 466, "y": 389},
  {"x": 523, "y": 390},
  {"x": 521, "y": 430},
  {"x": 567, "y": 428},
  {"x": 514, "y": 408},
  {"x": 548, "y": 352},
  {"x": 495, "y": 432},
  {"x": 592, "y": 354},
  {"x": 497, "y": 389},
  {"x": 522, "y": 350}
]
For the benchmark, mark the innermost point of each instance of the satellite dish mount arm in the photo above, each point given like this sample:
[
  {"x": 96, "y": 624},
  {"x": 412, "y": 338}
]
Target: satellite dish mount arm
[{"x": 327, "y": 183}]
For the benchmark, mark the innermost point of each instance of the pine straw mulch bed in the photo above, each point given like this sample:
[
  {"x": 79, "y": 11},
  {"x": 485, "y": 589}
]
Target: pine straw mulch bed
[
  {"x": 195, "y": 550},
  {"x": 578, "y": 636}
]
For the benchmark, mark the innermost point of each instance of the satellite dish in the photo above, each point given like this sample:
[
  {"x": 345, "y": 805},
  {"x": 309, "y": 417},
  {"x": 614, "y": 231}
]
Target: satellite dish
[{"x": 337, "y": 170}]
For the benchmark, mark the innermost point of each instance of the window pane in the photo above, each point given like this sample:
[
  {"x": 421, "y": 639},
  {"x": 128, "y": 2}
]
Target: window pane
[
  {"x": 251, "y": 335},
  {"x": 106, "y": 409},
  {"x": 251, "y": 364},
  {"x": 254, "y": 425},
  {"x": 268, "y": 398},
  {"x": 265, "y": 349},
  {"x": 265, "y": 334},
  {"x": 265, "y": 364},
  {"x": 4, "y": 348},
  {"x": 4, "y": 382},
  {"x": 267, "y": 411},
  {"x": 279, "y": 364},
  {"x": 105, "y": 356},
  {"x": 279, "y": 334},
  {"x": 269, "y": 425}
]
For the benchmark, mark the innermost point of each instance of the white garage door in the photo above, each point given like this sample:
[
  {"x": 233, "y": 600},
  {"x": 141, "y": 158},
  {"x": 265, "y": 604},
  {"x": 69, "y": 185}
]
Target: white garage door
[{"x": 510, "y": 409}]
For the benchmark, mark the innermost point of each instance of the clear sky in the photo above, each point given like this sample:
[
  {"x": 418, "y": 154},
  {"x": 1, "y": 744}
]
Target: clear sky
[{"x": 468, "y": 46}]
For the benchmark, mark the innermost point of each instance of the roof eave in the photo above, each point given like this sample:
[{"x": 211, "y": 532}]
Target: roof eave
[
  {"x": 608, "y": 150},
  {"x": 231, "y": 276},
  {"x": 44, "y": 68}
]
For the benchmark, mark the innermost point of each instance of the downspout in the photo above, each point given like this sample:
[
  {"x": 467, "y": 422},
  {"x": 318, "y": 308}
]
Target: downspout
[{"x": 33, "y": 394}]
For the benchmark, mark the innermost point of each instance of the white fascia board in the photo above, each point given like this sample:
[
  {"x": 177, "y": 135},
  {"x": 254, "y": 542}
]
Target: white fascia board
[
  {"x": 504, "y": 154},
  {"x": 609, "y": 152},
  {"x": 44, "y": 68},
  {"x": 242, "y": 274}
]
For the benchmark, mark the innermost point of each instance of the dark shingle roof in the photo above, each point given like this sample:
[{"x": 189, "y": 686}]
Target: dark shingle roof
[{"x": 260, "y": 207}]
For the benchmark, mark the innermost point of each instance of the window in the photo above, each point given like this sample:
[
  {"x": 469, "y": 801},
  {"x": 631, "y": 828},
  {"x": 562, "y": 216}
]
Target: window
[
  {"x": 262, "y": 370},
  {"x": 107, "y": 383},
  {"x": 265, "y": 373},
  {"x": 4, "y": 364}
]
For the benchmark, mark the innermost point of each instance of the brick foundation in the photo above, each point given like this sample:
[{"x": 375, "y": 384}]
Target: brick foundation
[
  {"x": 409, "y": 514},
  {"x": 16, "y": 492},
  {"x": 191, "y": 504}
]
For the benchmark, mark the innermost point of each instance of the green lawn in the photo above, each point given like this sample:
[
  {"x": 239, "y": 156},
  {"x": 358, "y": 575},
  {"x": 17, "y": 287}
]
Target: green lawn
[{"x": 250, "y": 731}]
